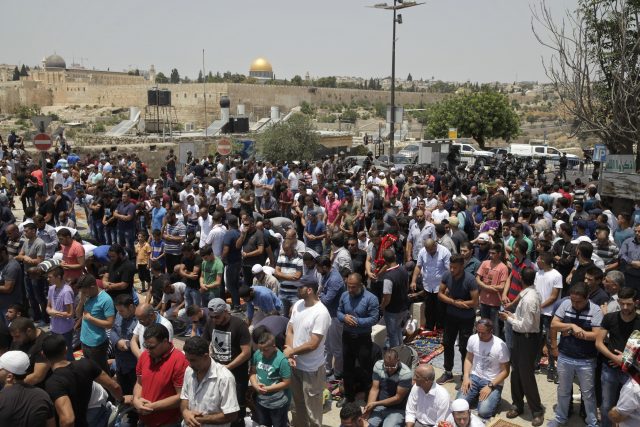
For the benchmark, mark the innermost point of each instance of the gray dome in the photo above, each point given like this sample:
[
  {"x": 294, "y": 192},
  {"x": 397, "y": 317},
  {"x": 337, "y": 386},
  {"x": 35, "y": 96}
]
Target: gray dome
[{"x": 55, "y": 61}]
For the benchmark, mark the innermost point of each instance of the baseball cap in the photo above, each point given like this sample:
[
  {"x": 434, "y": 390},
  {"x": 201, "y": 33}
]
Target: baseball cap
[
  {"x": 305, "y": 282},
  {"x": 539, "y": 210},
  {"x": 256, "y": 269},
  {"x": 237, "y": 182},
  {"x": 459, "y": 405},
  {"x": 16, "y": 362},
  {"x": 217, "y": 306},
  {"x": 484, "y": 237}
]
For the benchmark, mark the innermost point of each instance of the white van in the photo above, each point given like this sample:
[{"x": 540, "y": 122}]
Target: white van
[{"x": 546, "y": 151}]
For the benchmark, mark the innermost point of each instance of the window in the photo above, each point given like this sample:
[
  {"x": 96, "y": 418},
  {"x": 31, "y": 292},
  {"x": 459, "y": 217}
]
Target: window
[{"x": 539, "y": 150}]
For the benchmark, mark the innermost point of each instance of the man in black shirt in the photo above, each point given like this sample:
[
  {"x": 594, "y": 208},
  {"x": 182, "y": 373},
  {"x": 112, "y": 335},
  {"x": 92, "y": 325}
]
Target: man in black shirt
[
  {"x": 70, "y": 385},
  {"x": 610, "y": 342},
  {"x": 593, "y": 279},
  {"x": 46, "y": 208},
  {"x": 395, "y": 298},
  {"x": 21, "y": 404},
  {"x": 189, "y": 271},
  {"x": 358, "y": 256},
  {"x": 230, "y": 345},
  {"x": 121, "y": 273},
  {"x": 28, "y": 338}
]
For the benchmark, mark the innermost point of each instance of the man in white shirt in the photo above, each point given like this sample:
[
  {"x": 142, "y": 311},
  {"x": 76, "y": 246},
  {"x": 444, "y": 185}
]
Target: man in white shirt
[
  {"x": 461, "y": 416},
  {"x": 526, "y": 343},
  {"x": 305, "y": 346},
  {"x": 294, "y": 180},
  {"x": 428, "y": 402},
  {"x": 172, "y": 300},
  {"x": 215, "y": 238},
  {"x": 208, "y": 395},
  {"x": 627, "y": 411},
  {"x": 146, "y": 316},
  {"x": 486, "y": 366},
  {"x": 548, "y": 283},
  {"x": 205, "y": 222}
]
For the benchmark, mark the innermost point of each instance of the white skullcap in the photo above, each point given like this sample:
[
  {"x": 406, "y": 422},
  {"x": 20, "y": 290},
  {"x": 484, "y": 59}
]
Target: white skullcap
[{"x": 459, "y": 405}]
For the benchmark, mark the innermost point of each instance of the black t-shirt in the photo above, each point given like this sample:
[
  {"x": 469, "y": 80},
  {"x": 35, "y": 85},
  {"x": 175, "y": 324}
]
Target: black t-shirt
[
  {"x": 226, "y": 341},
  {"x": 109, "y": 209},
  {"x": 619, "y": 330},
  {"x": 75, "y": 381},
  {"x": 251, "y": 243},
  {"x": 98, "y": 214},
  {"x": 23, "y": 405},
  {"x": 359, "y": 260},
  {"x": 62, "y": 205},
  {"x": 34, "y": 351},
  {"x": 277, "y": 325},
  {"x": 234, "y": 255},
  {"x": 121, "y": 272},
  {"x": 189, "y": 265},
  {"x": 47, "y": 208},
  {"x": 157, "y": 285}
]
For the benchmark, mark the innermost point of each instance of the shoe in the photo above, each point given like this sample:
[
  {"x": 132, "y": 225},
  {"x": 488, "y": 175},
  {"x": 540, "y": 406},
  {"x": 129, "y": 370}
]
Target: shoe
[
  {"x": 551, "y": 376},
  {"x": 513, "y": 413},
  {"x": 537, "y": 420},
  {"x": 342, "y": 402},
  {"x": 446, "y": 377}
]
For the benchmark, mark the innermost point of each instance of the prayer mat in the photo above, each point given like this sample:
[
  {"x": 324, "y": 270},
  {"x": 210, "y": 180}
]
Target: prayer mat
[
  {"x": 499, "y": 422},
  {"x": 428, "y": 347}
]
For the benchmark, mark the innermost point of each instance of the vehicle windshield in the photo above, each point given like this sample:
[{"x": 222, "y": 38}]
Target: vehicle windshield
[{"x": 403, "y": 160}]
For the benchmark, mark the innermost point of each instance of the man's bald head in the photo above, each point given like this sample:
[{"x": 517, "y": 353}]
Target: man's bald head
[
  {"x": 426, "y": 372},
  {"x": 145, "y": 314}
]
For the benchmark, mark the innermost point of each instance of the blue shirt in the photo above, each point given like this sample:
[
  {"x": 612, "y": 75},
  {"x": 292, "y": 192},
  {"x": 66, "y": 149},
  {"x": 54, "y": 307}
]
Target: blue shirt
[
  {"x": 100, "y": 307},
  {"x": 157, "y": 214},
  {"x": 433, "y": 267},
  {"x": 364, "y": 307},
  {"x": 264, "y": 299},
  {"x": 587, "y": 319},
  {"x": 316, "y": 229},
  {"x": 332, "y": 288},
  {"x": 123, "y": 330}
]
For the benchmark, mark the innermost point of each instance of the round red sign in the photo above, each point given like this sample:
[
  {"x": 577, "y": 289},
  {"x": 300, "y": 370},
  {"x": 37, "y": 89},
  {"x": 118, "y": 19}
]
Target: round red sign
[
  {"x": 42, "y": 141},
  {"x": 224, "y": 147}
]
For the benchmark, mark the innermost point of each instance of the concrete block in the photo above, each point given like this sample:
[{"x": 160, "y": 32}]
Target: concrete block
[
  {"x": 379, "y": 334},
  {"x": 417, "y": 311}
]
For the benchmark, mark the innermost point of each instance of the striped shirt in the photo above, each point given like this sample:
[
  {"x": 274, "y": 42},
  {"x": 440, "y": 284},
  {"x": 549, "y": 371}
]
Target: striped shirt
[
  {"x": 588, "y": 318},
  {"x": 179, "y": 229},
  {"x": 288, "y": 266},
  {"x": 516, "y": 278}
]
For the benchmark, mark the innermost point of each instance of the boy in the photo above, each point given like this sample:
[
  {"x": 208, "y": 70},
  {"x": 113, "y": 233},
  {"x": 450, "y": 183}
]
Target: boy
[
  {"x": 60, "y": 300},
  {"x": 157, "y": 249},
  {"x": 211, "y": 277},
  {"x": 143, "y": 255}
]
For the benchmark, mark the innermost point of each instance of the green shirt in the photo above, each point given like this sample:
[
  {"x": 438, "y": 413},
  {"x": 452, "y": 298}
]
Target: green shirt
[
  {"x": 210, "y": 272},
  {"x": 272, "y": 371}
]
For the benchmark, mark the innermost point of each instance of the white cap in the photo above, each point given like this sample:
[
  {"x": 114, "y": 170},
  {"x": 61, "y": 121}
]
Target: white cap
[
  {"x": 459, "y": 405},
  {"x": 484, "y": 237},
  {"x": 256, "y": 269},
  {"x": 381, "y": 174},
  {"x": 538, "y": 210},
  {"x": 65, "y": 171},
  {"x": 237, "y": 182},
  {"x": 16, "y": 362}
]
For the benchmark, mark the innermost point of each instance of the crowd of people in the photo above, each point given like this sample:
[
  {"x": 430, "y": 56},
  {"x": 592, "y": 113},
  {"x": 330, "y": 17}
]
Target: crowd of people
[{"x": 277, "y": 273}]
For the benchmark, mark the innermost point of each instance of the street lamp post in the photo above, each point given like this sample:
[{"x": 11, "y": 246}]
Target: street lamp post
[{"x": 397, "y": 18}]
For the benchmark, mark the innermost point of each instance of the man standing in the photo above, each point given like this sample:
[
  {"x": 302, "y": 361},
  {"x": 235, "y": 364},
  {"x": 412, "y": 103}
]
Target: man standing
[
  {"x": 22, "y": 405},
  {"x": 251, "y": 241},
  {"x": 630, "y": 259},
  {"x": 126, "y": 214},
  {"x": 358, "y": 311},
  {"x": 32, "y": 254},
  {"x": 395, "y": 300},
  {"x": 232, "y": 260},
  {"x": 73, "y": 258},
  {"x": 428, "y": 402},
  {"x": 330, "y": 293},
  {"x": 215, "y": 233},
  {"x": 610, "y": 341},
  {"x": 120, "y": 336},
  {"x": 432, "y": 263},
  {"x": 578, "y": 321},
  {"x": 526, "y": 342},
  {"x": 486, "y": 366},
  {"x": 120, "y": 274},
  {"x": 208, "y": 395},
  {"x": 304, "y": 346},
  {"x": 389, "y": 391},
  {"x": 174, "y": 235},
  {"x": 514, "y": 284},
  {"x": 289, "y": 269},
  {"x": 459, "y": 291},
  {"x": 189, "y": 270},
  {"x": 160, "y": 371},
  {"x": 419, "y": 232},
  {"x": 97, "y": 312},
  {"x": 231, "y": 346}
]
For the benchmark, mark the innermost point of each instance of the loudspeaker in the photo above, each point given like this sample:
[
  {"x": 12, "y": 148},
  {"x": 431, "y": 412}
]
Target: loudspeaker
[
  {"x": 164, "y": 97},
  {"x": 241, "y": 125},
  {"x": 227, "y": 127},
  {"x": 152, "y": 97}
]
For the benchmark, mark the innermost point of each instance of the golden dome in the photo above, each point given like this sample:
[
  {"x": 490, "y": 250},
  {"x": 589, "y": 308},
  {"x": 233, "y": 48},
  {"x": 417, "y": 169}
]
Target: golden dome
[{"x": 261, "y": 64}]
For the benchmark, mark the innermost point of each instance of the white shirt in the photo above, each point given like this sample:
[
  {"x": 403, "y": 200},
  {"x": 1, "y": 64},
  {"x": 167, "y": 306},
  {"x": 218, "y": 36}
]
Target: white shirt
[
  {"x": 438, "y": 215},
  {"x": 527, "y": 316},
  {"x": 433, "y": 267},
  {"x": 306, "y": 321},
  {"x": 293, "y": 181},
  {"x": 629, "y": 404},
  {"x": 475, "y": 421},
  {"x": 215, "y": 393},
  {"x": 205, "y": 228},
  {"x": 427, "y": 408},
  {"x": 314, "y": 175},
  {"x": 545, "y": 282},
  {"x": 140, "y": 328},
  {"x": 178, "y": 293},
  {"x": 487, "y": 356},
  {"x": 215, "y": 238}
]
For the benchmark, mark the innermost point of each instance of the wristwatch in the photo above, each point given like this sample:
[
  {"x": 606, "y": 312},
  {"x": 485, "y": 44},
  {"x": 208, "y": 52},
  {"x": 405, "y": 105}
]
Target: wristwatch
[{"x": 491, "y": 386}]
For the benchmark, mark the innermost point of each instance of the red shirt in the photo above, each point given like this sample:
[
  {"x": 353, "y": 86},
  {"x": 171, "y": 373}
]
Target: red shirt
[
  {"x": 38, "y": 175},
  {"x": 70, "y": 255},
  {"x": 159, "y": 380}
]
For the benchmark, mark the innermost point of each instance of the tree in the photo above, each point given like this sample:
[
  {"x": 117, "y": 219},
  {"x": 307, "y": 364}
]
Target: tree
[
  {"x": 594, "y": 68},
  {"x": 296, "y": 80},
  {"x": 200, "y": 78},
  {"x": 161, "y": 78},
  {"x": 23, "y": 71},
  {"x": 175, "y": 76},
  {"x": 291, "y": 140},
  {"x": 480, "y": 115},
  {"x": 306, "y": 108},
  {"x": 16, "y": 74}
]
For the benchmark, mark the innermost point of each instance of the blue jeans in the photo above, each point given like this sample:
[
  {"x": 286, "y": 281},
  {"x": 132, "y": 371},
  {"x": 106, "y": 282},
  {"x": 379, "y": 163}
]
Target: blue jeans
[
  {"x": 487, "y": 407},
  {"x": 126, "y": 237},
  {"x": 232, "y": 281},
  {"x": 584, "y": 369},
  {"x": 384, "y": 417},
  {"x": 545, "y": 328},
  {"x": 394, "y": 323},
  {"x": 98, "y": 417},
  {"x": 97, "y": 230},
  {"x": 612, "y": 381},
  {"x": 68, "y": 338},
  {"x": 287, "y": 301},
  {"x": 508, "y": 335},
  {"x": 110, "y": 235},
  {"x": 192, "y": 296},
  {"x": 37, "y": 293}
]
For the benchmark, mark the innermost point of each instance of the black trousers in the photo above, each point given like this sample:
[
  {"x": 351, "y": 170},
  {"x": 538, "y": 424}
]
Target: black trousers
[
  {"x": 98, "y": 354},
  {"x": 434, "y": 311},
  {"x": 356, "y": 348},
  {"x": 241, "y": 374},
  {"x": 523, "y": 379},
  {"x": 456, "y": 328},
  {"x": 172, "y": 261}
]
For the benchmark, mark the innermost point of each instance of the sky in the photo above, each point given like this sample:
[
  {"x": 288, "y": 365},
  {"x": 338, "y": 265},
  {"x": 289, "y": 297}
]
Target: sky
[{"x": 450, "y": 40}]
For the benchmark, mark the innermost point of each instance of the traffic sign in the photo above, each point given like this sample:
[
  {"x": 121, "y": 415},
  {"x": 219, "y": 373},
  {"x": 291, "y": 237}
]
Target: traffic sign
[
  {"x": 42, "y": 141},
  {"x": 224, "y": 147},
  {"x": 600, "y": 153},
  {"x": 453, "y": 133},
  {"x": 41, "y": 122}
]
